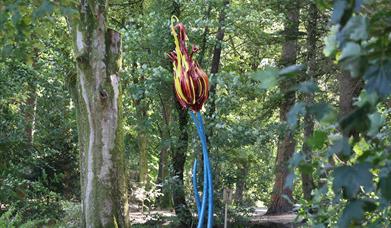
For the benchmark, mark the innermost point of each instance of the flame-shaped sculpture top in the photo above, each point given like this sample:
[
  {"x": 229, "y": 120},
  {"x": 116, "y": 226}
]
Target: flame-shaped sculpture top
[{"x": 190, "y": 81}]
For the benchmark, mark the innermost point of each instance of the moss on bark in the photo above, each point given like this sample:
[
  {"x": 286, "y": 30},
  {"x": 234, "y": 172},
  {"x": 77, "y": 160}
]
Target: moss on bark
[{"x": 99, "y": 117}]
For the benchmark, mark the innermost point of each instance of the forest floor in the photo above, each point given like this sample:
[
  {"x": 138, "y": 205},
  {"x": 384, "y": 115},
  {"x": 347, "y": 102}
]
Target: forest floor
[{"x": 255, "y": 219}]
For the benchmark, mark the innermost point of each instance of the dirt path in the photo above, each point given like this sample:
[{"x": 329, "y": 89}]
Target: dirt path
[{"x": 258, "y": 217}]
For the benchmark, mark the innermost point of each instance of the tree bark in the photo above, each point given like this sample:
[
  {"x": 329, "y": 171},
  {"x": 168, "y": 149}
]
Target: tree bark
[
  {"x": 307, "y": 178},
  {"x": 142, "y": 139},
  {"x": 30, "y": 113},
  {"x": 99, "y": 116},
  {"x": 163, "y": 172},
  {"x": 216, "y": 64},
  {"x": 178, "y": 158},
  {"x": 241, "y": 183},
  {"x": 178, "y": 153},
  {"x": 204, "y": 36},
  {"x": 349, "y": 88},
  {"x": 286, "y": 146}
]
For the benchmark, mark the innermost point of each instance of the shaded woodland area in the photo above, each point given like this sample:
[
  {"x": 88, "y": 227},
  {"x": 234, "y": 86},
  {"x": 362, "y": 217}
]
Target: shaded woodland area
[{"x": 297, "y": 121}]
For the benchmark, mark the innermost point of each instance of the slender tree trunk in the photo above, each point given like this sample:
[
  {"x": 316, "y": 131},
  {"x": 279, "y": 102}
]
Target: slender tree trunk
[
  {"x": 163, "y": 172},
  {"x": 204, "y": 36},
  {"x": 142, "y": 135},
  {"x": 216, "y": 64},
  {"x": 142, "y": 141},
  {"x": 241, "y": 183},
  {"x": 286, "y": 146},
  {"x": 99, "y": 117},
  {"x": 30, "y": 113},
  {"x": 306, "y": 178},
  {"x": 30, "y": 108}
]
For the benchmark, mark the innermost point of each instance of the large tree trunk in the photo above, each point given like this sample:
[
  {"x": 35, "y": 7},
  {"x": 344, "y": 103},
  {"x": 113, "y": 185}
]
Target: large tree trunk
[
  {"x": 99, "y": 115},
  {"x": 178, "y": 163},
  {"x": 306, "y": 178},
  {"x": 178, "y": 155},
  {"x": 286, "y": 146}
]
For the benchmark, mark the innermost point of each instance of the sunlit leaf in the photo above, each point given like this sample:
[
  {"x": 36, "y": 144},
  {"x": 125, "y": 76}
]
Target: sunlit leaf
[
  {"x": 317, "y": 140},
  {"x": 267, "y": 77}
]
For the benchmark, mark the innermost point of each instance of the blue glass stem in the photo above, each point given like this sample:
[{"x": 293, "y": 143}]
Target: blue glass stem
[
  {"x": 208, "y": 186},
  {"x": 194, "y": 180}
]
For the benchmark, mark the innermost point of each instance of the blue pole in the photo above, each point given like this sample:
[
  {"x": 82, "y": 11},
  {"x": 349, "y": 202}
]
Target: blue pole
[
  {"x": 201, "y": 215},
  {"x": 206, "y": 160},
  {"x": 208, "y": 187},
  {"x": 194, "y": 180}
]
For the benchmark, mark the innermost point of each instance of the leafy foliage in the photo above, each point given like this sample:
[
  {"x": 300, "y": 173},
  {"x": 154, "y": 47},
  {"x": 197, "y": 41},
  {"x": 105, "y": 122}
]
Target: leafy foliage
[{"x": 350, "y": 154}]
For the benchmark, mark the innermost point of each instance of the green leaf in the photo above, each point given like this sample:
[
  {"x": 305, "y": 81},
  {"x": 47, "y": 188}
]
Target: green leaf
[
  {"x": 378, "y": 78},
  {"x": 268, "y": 77},
  {"x": 330, "y": 42},
  {"x": 296, "y": 159},
  {"x": 308, "y": 87},
  {"x": 377, "y": 122},
  {"x": 317, "y": 140},
  {"x": 350, "y": 50},
  {"x": 68, "y": 11},
  {"x": 353, "y": 212},
  {"x": 293, "y": 114},
  {"x": 323, "y": 4},
  {"x": 291, "y": 70},
  {"x": 385, "y": 186},
  {"x": 355, "y": 29},
  {"x": 340, "y": 147},
  {"x": 44, "y": 9},
  {"x": 289, "y": 180},
  {"x": 350, "y": 179},
  {"x": 357, "y": 121},
  {"x": 339, "y": 9},
  {"x": 320, "y": 110}
]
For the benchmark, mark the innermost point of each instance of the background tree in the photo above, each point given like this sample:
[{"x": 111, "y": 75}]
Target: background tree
[
  {"x": 99, "y": 114},
  {"x": 282, "y": 195}
]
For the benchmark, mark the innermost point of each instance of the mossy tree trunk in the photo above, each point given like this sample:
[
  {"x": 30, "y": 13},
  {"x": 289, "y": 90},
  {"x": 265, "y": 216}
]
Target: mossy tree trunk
[{"x": 99, "y": 115}]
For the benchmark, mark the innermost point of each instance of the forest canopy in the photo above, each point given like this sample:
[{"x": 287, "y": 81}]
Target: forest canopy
[{"x": 297, "y": 119}]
